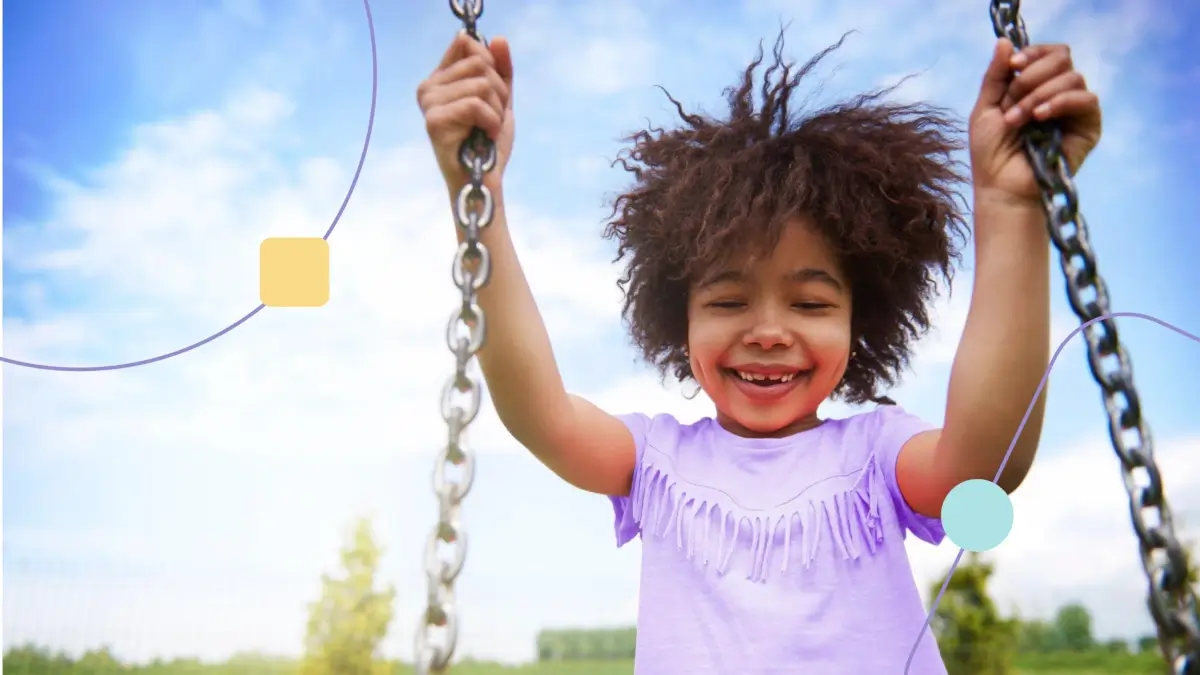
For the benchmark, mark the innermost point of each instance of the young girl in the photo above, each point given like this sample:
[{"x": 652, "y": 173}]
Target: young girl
[{"x": 780, "y": 258}]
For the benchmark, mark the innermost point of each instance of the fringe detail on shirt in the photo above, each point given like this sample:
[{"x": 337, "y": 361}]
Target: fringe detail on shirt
[{"x": 706, "y": 524}]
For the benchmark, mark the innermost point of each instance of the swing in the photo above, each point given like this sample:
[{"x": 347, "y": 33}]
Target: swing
[{"x": 1171, "y": 600}]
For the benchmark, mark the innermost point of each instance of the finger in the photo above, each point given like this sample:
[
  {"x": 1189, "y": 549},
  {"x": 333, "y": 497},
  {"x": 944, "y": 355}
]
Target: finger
[
  {"x": 480, "y": 87},
  {"x": 502, "y": 55},
  {"x": 1070, "y": 103},
  {"x": 1037, "y": 52},
  {"x": 461, "y": 47},
  {"x": 1030, "y": 106},
  {"x": 997, "y": 75},
  {"x": 472, "y": 66},
  {"x": 1038, "y": 72},
  {"x": 456, "y": 50},
  {"x": 432, "y": 90},
  {"x": 463, "y": 113},
  {"x": 469, "y": 77}
]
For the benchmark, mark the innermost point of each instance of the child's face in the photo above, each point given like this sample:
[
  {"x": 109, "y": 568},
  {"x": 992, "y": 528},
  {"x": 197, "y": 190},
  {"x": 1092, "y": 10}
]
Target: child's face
[{"x": 769, "y": 339}]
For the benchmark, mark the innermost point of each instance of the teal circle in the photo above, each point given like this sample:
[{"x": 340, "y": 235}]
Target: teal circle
[{"x": 977, "y": 515}]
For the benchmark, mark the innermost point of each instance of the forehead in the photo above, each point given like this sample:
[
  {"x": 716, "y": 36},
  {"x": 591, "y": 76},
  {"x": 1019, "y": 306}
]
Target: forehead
[
  {"x": 800, "y": 242},
  {"x": 800, "y": 246}
]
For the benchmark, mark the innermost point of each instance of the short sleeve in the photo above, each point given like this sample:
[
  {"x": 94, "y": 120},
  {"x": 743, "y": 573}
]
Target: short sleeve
[
  {"x": 625, "y": 523},
  {"x": 894, "y": 427}
]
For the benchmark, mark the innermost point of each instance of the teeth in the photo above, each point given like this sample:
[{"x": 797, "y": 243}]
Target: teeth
[{"x": 758, "y": 377}]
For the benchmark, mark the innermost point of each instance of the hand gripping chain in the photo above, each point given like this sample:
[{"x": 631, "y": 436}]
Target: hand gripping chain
[{"x": 1171, "y": 599}]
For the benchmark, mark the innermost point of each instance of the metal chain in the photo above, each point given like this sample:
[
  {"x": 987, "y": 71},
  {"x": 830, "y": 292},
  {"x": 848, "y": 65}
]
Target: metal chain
[
  {"x": 437, "y": 634},
  {"x": 1171, "y": 600}
]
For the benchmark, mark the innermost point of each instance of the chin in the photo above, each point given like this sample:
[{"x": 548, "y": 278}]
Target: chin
[
  {"x": 768, "y": 421},
  {"x": 760, "y": 418}
]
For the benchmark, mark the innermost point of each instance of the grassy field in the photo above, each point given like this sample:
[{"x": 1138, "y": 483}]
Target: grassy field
[
  {"x": 1072, "y": 664},
  {"x": 1066, "y": 664}
]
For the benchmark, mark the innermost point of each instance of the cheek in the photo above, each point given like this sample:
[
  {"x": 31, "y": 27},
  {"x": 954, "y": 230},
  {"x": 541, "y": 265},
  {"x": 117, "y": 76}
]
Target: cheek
[
  {"x": 834, "y": 337},
  {"x": 828, "y": 340},
  {"x": 706, "y": 343}
]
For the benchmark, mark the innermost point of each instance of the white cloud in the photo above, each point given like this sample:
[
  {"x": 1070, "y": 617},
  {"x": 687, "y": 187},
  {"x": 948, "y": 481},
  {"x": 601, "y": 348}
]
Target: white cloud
[
  {"x": 949, "y": 318},
  {"x": 172, "y": 230},
  {"x": 595, "y": 50}
]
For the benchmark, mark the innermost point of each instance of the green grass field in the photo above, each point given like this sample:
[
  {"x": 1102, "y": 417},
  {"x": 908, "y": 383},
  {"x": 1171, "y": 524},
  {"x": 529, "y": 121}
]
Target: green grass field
[{"x": 1098, "y": 663}]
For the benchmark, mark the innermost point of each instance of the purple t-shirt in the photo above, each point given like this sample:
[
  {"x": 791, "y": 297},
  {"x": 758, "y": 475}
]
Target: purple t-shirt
[{"x": 779, "y": 555}]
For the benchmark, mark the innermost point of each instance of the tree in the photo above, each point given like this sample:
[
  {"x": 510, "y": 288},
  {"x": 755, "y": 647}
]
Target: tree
[
  {"x": 1147, "y": 643},
  {"x": 347, "y": 624},
  {"x": 1038, "y": 637},
  {"x": 1073, "y": 623},
  {"x": 1116, "y": 646},
  {"x": 99, "y": 661},
  {"x": 973, "y": 638},
  {"x": 596, "y": 644}
]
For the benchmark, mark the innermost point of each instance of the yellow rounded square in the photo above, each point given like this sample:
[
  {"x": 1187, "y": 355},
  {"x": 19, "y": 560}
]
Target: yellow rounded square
[{"x": 293, "y": 272}]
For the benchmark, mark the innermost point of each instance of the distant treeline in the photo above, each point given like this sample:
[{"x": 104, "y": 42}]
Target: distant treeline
[
  {"x": 35, "y": 660},
  {"x": 614, "y": 644}
]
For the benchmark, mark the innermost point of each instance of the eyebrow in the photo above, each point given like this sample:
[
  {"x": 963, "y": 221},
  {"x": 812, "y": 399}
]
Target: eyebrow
[
  {"x": 801, "y": 275},
  {"x": 806, "y": 274}
]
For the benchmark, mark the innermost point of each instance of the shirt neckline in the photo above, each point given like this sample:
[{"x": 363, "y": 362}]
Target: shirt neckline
[{"x": 727, "y": 437}]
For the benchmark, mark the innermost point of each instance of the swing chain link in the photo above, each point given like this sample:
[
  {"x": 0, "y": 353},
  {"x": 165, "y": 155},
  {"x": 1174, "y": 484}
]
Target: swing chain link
[
  {"x": 1171, "y": 600},
  {"x": 462, "y": 395}
]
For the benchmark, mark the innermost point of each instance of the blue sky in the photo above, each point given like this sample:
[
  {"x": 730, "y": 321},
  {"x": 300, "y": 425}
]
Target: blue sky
[{"x": 189, "y": 507}]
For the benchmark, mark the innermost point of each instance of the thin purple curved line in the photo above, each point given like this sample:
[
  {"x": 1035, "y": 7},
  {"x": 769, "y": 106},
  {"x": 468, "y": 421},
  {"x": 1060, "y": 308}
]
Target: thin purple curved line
[
  {"x": 362, "y": 158},
  {"x": 1013, "y": 443},
  {"x": 134, "y": 364}
]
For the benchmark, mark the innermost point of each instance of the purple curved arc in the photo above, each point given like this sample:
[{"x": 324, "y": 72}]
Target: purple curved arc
[
  {"x": 362, "y": 158},
  {"x": 135, "y": 364}
]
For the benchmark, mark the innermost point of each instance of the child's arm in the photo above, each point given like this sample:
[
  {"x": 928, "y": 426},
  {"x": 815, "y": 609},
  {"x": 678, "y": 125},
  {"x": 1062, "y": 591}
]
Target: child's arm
[
  {"x": 584, "y": 445},
  {"x": 581, "y": 443},
  {"x": 1000, "y": 361},
  {"x": 1005, "y": 347}
]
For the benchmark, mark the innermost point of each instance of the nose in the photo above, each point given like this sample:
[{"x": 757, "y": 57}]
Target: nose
[{"x": 767, "y": 329}]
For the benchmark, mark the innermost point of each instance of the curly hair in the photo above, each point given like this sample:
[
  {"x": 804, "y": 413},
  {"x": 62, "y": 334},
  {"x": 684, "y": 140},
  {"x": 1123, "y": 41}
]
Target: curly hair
[{"x": 878, "y": 179}]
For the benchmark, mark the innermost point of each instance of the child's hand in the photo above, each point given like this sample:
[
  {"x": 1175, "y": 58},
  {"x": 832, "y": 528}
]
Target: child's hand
[
  {"x": 471, "y": 87},
  {"x": 1046, "y": 87}
]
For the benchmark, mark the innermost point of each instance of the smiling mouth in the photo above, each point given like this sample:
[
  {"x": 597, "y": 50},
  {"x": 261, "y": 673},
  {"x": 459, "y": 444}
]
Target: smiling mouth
[{"x": 761, "y": 380}]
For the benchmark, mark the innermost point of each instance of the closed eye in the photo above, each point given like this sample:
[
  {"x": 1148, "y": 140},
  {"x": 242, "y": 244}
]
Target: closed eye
[
  {"x": 727, "y": 304},
  {"x": 813, "y": 305}
]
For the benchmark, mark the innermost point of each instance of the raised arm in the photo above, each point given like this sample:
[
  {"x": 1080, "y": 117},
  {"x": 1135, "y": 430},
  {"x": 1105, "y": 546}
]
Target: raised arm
[
  {"x": 584, "y": 445},
  {"x": 1005, "y": 346}
]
